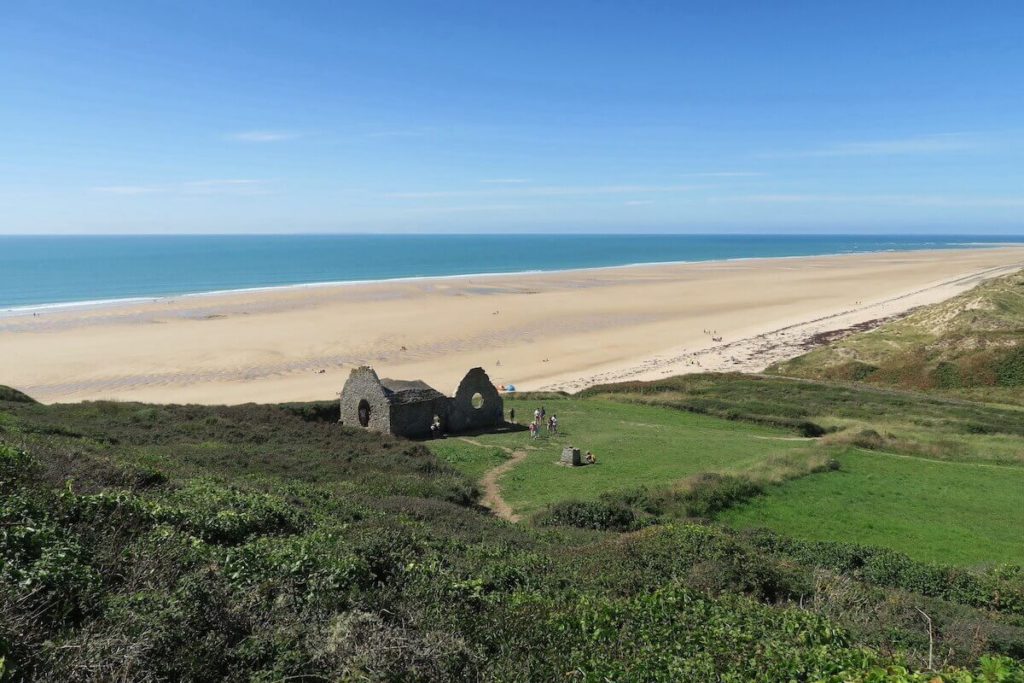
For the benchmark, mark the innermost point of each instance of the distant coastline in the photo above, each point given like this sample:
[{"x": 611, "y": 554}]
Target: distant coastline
[
  {"x": 563, "y": 330},
  {"x": 49, "y": 273}
]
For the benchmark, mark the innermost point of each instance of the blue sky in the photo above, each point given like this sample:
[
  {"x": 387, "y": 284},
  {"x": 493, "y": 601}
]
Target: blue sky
[{"x": 168, "y": 117}]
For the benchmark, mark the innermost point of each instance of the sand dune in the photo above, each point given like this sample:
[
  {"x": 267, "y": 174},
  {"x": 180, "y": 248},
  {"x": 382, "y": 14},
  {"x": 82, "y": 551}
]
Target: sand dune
[{"x": 557, "y": 330}]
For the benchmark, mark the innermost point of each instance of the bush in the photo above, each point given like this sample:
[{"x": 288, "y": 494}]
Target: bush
[
  {"x": 15, "y": 464},
  {"x": 318, "y": 411},
  {"x": 999, "y": 589},
  {"x": 1010, "y": 369},
  {"x": 712, "y": 493},
  {"x": 603, "y": 515},
  {"x": 14, "y": 396},
  {"x": 946, "y": 375}
]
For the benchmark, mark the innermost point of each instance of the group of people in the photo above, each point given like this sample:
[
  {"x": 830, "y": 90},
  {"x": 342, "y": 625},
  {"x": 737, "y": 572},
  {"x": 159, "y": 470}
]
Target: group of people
[
  {"x": 539, "y": 416},
  {"x": 714, "y": 335},
  {"x": 538, "y": 421}
]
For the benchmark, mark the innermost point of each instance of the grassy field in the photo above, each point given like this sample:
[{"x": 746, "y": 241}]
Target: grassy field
[
  {"x": 635, "y": 445},
  {"x": 937, "y": 478},
  {"x": 941, "y": 480},
  {"x": 960, "y": 513},
  {"x": 913, "y": 423}
]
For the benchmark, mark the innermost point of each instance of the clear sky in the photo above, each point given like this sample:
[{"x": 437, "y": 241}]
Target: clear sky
[{"x": 479, "y": 116}]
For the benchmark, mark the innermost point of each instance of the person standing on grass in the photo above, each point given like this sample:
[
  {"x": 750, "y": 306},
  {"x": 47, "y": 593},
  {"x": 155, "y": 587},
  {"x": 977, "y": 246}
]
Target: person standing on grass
[
  {"x": 512, "y": 415},
  {"x": 536, "y": 415}
]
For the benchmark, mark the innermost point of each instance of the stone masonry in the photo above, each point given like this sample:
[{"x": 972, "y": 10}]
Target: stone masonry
[{"x": 408, "y": 408}]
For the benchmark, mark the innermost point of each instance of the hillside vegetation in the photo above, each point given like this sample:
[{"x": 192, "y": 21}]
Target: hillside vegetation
[
  {"x": 152, "y": 543},
  {"x": 934, "y": 477},
  {"x": 970, "y": 346}
]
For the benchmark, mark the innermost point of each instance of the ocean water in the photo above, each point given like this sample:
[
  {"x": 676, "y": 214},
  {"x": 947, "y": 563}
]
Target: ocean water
[{"x": 46, "y": 270}]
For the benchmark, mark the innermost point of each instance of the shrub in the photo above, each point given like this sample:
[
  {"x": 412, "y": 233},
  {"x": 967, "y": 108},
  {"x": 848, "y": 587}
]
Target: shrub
[
  {"x": 14, "y": 396},
  {"x": 14, "y": 466},
  {"x": 712, "y": 493},
  {"x": 946, "y": 375},
  {"x": 999, "y": 589},
  {"x": 603, "y": 515},
  {"x": 1010, "y": 368},
  {"x": 318, "y": 411}
]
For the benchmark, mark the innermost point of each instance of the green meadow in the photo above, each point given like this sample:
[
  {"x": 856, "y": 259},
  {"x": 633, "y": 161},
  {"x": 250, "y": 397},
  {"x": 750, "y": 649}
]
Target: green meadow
[
  {"x": 939, "y": 479},
  {"x": 635, "y": 446},
  {"x": 958, "y": 513}
]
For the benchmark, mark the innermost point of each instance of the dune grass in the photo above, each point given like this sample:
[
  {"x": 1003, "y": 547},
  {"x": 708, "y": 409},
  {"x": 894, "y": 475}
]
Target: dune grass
[
  {"x": 968, "y": 346},
  {"x": 960, "y": 513}
]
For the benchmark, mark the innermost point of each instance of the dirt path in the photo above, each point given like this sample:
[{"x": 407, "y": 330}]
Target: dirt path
[{"x": 492, "y": 492}]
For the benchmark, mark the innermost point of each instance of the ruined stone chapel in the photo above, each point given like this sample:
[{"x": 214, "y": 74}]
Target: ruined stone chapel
[{"x": 408, "y": 408}]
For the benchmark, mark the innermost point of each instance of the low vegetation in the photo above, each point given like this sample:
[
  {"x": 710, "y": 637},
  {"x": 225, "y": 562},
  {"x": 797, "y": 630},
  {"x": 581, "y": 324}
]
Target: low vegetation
[
  {"x": 969, "y": 346},
  {"x": 897, "y": 469},
  {"x": 146, "y": 542}
]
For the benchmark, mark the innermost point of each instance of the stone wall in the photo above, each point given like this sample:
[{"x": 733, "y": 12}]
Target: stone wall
[
  {"x": 464, "y": 416},
  {"x": 411, "y": 416},
  {"x": 364, "y": 385},
  {"x": 414, "y": 419}
]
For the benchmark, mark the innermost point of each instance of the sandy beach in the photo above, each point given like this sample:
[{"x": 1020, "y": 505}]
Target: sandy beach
[{"x": 564, "y": 330}]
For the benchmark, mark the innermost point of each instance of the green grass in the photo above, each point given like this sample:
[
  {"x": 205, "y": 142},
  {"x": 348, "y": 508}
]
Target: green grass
[
  {"x": 939, "y": 511},
  {"x": 472, "y": 460},
  {"x": 635, "y": 446},
  {"x": 935, "y": 426},
  {"x": 957, "y": 500}
]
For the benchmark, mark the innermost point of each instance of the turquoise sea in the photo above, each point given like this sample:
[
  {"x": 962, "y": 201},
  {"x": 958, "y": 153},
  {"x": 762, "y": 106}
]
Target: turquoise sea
[{"x": 45, "y": 270}]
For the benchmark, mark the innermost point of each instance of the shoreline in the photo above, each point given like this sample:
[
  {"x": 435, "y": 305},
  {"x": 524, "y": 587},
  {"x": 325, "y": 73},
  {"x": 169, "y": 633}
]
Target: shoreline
[
  {"x": 758, "y": 351},
  {"x": 89, "y": 304},
  {"x": 567, "y": 329}
]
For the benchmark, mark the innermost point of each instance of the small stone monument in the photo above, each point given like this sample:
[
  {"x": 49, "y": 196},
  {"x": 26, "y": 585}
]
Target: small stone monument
[{"x": 571, "y": 456}]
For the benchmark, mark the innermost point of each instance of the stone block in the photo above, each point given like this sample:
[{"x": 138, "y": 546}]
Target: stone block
[{"x": 571, "y": 456}]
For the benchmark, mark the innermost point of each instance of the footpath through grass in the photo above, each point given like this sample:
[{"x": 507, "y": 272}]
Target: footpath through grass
[
  {"x": 635, "y": 446},
  {"x": 958, "y": 513}
]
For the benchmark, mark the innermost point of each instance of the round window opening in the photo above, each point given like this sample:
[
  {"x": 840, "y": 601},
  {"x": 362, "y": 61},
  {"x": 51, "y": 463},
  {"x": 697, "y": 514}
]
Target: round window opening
[
  {"x": 477, "y": 401},
  {"x": 364, "y": 413}
]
